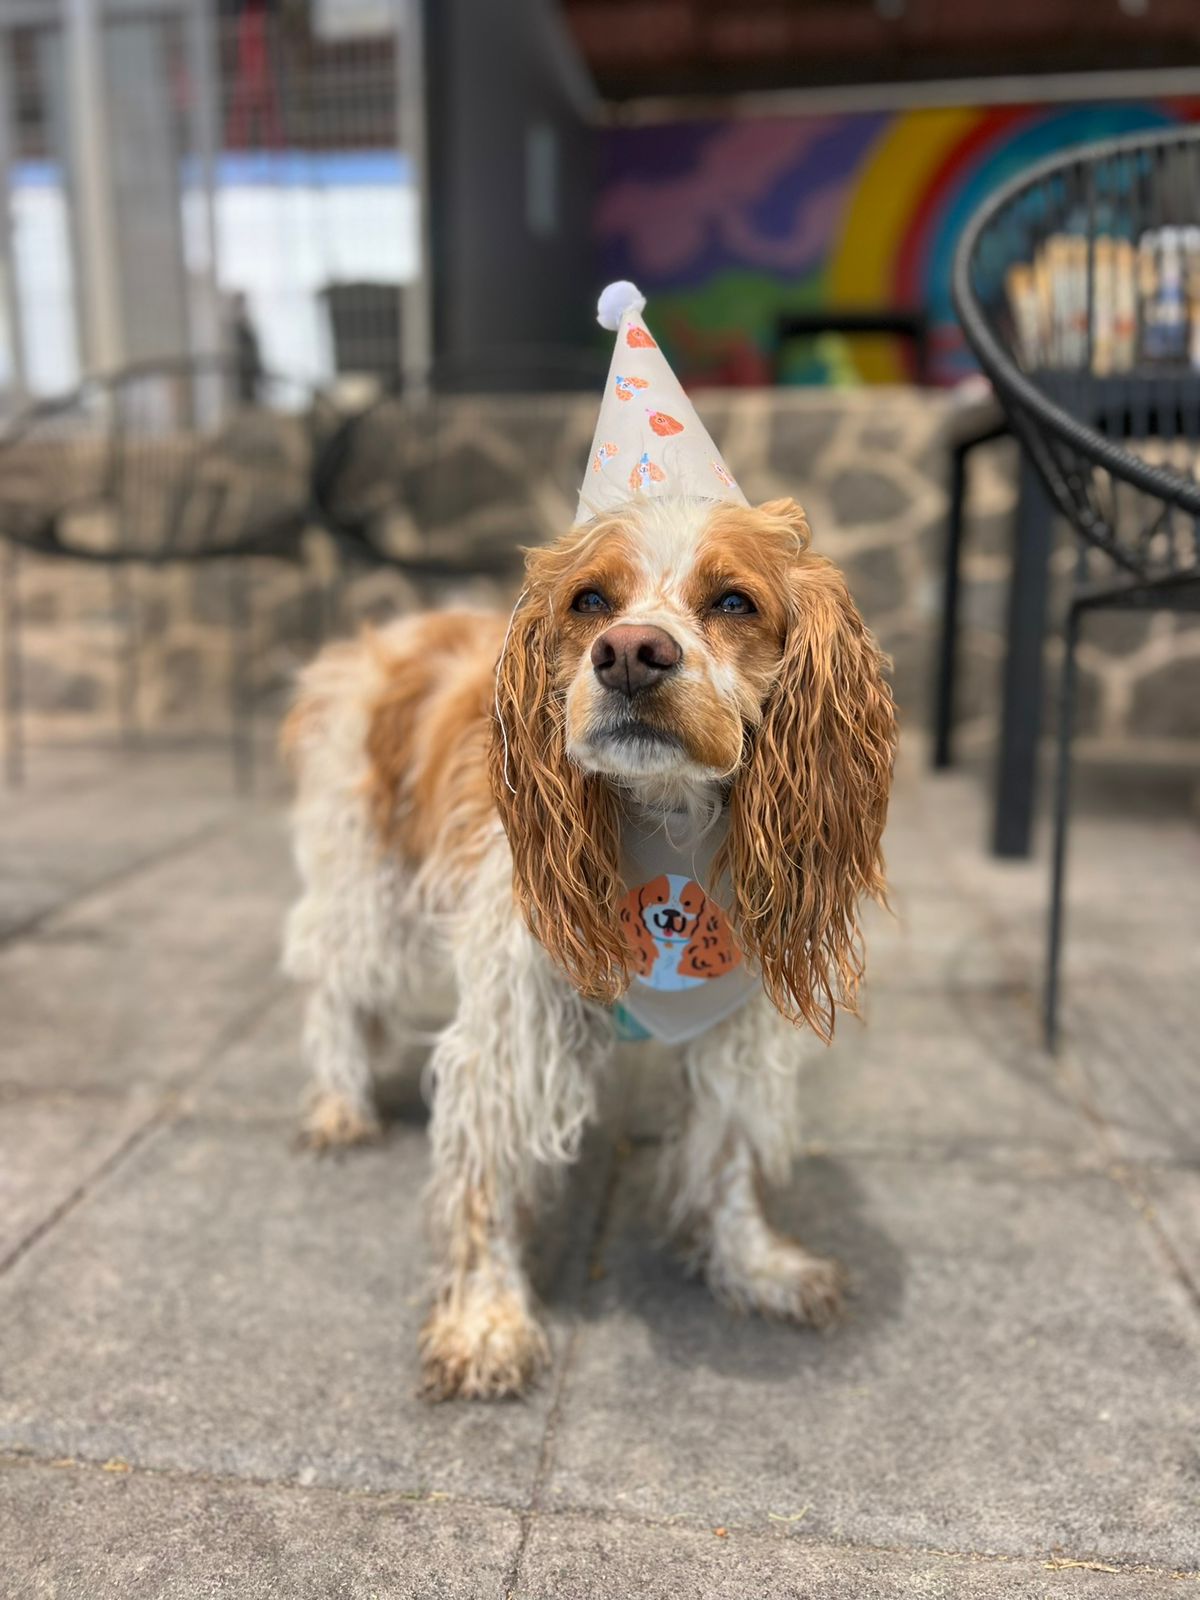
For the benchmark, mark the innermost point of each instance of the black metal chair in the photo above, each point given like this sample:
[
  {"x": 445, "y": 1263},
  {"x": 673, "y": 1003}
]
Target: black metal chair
[
  {"x": 1137, "y": 517},
  {"x": 911, "y": 326},
  {"x": 410, "y": 483},
  {"x": 978, "y": 423},
  {"x": 164, "y": 462}
]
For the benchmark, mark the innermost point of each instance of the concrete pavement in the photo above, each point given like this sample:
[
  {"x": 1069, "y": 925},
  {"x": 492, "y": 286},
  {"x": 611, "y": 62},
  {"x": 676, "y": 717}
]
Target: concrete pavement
[{"x": 207, "y": 1339}]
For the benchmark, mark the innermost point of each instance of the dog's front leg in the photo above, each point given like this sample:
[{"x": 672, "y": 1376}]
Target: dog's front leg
[
  {"x": 741, "y": 1134},
  {"x": 513, "y": 1088},
  {"x": 341, "y": 1105}
]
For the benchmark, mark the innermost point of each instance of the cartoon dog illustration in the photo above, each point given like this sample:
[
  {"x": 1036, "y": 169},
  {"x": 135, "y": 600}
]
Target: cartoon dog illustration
[{"x": 678, "y": 936}]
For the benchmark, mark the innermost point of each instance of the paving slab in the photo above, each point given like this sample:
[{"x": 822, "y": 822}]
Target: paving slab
[
  {"x": 955, "y": 1073},
  {"x": 936, "y": 941},
  {"x": 226, "y": 1304},
  {"x": 98, "y": 824},
  {"x": 263, "y": 1074},
  {"x": 138, "y": 981},
  {"x": 959, "y": 1078},
  {"x": 1122, "y": 932},
  {"x": 578, "y": 1558},
  {"x": 53, "y": 768},
  {"x": 1136, "y": 1049},
  {"x": 81, "y": 1534},
  {"x": 1017, "y": 1373},
  {"x": 51, "y": 1146},
  {"x": 968, "y": 1074},
  {"x": 1174, "y": 1196}
]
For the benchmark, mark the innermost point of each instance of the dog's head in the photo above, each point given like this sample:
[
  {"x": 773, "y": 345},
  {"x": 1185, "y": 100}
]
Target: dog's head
[
  {"x": 677, "y": 646},
  {"x": 670, "y": 918}
]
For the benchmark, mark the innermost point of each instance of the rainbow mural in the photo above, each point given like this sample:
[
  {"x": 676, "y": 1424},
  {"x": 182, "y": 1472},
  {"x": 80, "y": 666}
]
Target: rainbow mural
[{"x": 728, "y": 224}]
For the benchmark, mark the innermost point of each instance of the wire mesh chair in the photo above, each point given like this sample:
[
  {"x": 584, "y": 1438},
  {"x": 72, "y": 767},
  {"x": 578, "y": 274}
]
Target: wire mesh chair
[
  {"x": 180, "y": 460},
  {"x": 1078, "y": 287},
  {"x": 427, "y": 487}
]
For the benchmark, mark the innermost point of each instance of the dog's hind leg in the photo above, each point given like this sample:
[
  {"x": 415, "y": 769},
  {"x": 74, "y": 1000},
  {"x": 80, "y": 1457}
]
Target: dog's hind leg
[
  {"x": 740, "y": 1136},
  {"x": 337, "y": 1045},
  {"x": 513, "y": 1087}
]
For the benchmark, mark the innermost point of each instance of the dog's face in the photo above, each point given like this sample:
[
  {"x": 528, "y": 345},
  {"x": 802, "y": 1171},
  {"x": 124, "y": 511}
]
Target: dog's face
[
  {"x": 671, "y": 918},
  {"x": 670, "y": 627},
  {"x": 678, "y": 645}
]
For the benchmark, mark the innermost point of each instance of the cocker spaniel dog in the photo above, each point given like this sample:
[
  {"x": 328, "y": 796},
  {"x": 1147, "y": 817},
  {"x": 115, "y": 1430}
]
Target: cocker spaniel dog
[{"x": 470, "y": 792}]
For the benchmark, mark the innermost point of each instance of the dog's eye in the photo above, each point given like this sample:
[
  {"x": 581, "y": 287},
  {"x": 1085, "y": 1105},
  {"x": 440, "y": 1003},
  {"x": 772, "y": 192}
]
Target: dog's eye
[
  {"x": 735, "y": 604},
  {"x": 590, "y": 600}
]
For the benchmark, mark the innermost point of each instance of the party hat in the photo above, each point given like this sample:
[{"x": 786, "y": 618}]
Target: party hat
[{"x": 649, "y": 440}]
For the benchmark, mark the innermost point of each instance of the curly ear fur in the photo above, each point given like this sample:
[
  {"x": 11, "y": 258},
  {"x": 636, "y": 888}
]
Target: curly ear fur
[
  {"x": 561, "y": 824},
  {"x": 807, "y": 810}
]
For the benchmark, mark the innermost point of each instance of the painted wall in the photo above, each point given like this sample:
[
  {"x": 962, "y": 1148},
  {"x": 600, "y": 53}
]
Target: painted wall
[{"x": 726, "y": 224}]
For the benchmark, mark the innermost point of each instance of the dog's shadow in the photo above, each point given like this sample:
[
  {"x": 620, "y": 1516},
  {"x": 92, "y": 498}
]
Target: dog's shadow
[
  {"x": 399, "y": 1092},
  {"x": 629, "y": 1271},
  {"x": 596, "y": 1252}
]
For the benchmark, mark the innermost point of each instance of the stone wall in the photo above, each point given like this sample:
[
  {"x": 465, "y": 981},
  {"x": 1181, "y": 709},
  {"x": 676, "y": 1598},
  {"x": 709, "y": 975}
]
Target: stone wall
[{"x": 487, "y": 473}]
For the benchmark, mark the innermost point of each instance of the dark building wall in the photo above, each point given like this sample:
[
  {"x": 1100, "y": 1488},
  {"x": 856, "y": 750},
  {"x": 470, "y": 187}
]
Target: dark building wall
[{"x": 510, "y": 164}]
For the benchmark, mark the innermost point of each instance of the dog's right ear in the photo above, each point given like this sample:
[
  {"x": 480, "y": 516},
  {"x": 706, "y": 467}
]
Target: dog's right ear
[{"x": 561, "y": 824}]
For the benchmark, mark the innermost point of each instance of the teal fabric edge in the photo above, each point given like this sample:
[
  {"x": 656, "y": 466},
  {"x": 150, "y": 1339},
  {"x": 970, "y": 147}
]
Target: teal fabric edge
[{"x": 626, "y": 1027}]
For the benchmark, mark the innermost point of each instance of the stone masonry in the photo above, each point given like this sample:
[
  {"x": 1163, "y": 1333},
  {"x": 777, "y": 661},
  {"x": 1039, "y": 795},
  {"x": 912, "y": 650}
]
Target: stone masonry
[{"x": 473, "y": 473}]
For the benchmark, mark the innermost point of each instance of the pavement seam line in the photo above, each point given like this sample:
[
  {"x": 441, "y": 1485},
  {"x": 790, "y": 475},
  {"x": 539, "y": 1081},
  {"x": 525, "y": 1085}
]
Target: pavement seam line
[
  {"x": 535, "y": 1508},
  {"x": 101, "y": 780},
  {"x": 96, "y": 1176},
  {"x": 120, "y": 875},
  {"x": 167, "y": 1109},
  {"x": 11, "y": 1458}
]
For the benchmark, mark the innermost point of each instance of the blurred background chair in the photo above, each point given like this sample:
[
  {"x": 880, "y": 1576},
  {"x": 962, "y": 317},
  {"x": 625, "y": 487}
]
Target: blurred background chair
[
  {"x": 188, "y": 460},
  {"x": 1038, "y": 287},
  {"x": 417, "y": 483},
  {"x": 911, "y": 327},
  {"x": 979, "y": 421}
]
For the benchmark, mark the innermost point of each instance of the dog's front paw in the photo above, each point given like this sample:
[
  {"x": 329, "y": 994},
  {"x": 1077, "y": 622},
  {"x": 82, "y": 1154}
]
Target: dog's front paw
[
  {"x": 487, "y": 1348},
  {"x": 781, "y": 1280},
  {"x": 331, "y": 1122}
]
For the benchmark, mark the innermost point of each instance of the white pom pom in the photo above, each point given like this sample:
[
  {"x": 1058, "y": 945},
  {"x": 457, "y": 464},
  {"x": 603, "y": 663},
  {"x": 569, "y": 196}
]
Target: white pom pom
[{"x": 615, "y": 301}]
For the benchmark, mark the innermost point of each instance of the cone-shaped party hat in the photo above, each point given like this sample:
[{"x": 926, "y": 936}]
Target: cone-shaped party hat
[{"x": 649, "y": 439}]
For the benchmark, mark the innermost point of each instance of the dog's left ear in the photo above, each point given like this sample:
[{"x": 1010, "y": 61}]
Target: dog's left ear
[{"x": 807, "y": 809}]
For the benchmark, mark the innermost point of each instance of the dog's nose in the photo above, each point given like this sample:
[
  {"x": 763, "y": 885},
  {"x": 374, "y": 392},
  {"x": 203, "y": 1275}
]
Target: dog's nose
[{"x": 630, "y": 657}]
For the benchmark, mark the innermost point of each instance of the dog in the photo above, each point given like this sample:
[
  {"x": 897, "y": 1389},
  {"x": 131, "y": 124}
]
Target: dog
[{"x": 463, "y": 783}]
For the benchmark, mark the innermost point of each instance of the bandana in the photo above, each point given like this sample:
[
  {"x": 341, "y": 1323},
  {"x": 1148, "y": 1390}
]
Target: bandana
[{"x": 688, "y": 973}]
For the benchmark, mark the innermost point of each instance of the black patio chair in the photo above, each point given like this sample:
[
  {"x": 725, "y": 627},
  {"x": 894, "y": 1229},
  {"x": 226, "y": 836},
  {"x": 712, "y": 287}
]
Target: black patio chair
[
  {"x": 1135, "y": 509},
  {"x": 423, "y": 485},
  {"x": 977, "y": 423},
  {"x": 909, "y": 326},
  {"x": 165, "y": 462}
]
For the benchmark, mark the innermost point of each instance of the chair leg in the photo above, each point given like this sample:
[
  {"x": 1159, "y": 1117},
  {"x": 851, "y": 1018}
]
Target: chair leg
[
  {"x": 1062, "y": 804},
  {"x": 241, "y": 721},
  {"x": 128, "y": 676},
  {"x": 14, "y": 684},
  {"x": 943, "y": 724}
]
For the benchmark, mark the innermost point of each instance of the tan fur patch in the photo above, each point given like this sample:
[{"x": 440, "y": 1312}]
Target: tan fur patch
[
  {"x": 427, "y": 734},
  {"x": 483, "y": 1347},
  {"x": 332, "y": 1123}
]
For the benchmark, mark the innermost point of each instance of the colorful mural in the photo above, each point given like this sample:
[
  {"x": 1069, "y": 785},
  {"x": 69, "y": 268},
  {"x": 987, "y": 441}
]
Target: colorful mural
[{"x": 728, "y": 224}]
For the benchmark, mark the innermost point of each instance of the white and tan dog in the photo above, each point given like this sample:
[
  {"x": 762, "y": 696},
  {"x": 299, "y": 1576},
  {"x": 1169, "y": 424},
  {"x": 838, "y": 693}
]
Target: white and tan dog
[{"x": 463, "y": 781}]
